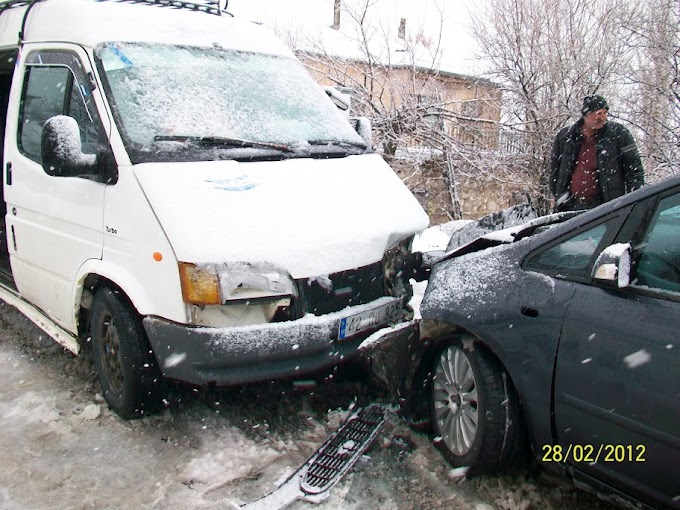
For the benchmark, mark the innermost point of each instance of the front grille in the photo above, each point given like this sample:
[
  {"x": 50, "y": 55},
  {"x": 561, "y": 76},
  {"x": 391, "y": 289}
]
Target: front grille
[
  {"x": 324, "y": 295},
  {"x": 342, "y": 449}
]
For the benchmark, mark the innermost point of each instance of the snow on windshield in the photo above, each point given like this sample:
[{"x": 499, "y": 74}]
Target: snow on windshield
[{"x": 166, "y": 91}]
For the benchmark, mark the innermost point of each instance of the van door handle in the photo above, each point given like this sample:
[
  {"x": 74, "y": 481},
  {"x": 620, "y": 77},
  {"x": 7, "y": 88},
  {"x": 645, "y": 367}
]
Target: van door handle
[
  {"x": 14, "y": 239},
  {"x": 8, "y": 174}
]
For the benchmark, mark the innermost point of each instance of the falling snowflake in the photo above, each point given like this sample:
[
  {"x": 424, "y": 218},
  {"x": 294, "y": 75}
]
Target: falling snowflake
[
  {"x": 637, "y": 358},
  {"x": 175, "y": 359}
]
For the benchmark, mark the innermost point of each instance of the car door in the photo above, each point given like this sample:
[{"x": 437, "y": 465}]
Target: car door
[
  {"x": 54, "y": 222},
  {"x": 617, "y": 383}
]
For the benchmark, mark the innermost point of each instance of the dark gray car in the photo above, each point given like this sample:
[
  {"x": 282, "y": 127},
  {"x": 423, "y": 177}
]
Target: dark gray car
[{"x": 563, "y": 332}]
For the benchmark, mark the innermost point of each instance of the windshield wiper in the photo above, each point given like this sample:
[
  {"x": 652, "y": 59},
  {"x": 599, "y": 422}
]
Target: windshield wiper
[
  {"x": 222, "y": 141},
  {"x": 341, "y": 143}
]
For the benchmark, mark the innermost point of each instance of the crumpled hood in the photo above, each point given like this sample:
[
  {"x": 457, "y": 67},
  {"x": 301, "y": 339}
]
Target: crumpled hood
[{"x": 308, "y": 216}]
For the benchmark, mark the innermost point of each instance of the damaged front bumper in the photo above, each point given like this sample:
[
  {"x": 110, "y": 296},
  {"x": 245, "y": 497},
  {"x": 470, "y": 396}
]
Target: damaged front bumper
[
  {"x": 238, "y": 355},
  {"x": 393, "y": 354}
]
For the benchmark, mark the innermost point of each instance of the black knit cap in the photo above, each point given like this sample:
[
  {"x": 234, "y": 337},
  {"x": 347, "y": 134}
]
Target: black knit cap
[{"x": 593, "y": 103}]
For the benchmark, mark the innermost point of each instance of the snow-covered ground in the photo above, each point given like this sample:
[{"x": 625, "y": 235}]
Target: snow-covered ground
[{"x": 61, "y": 448}]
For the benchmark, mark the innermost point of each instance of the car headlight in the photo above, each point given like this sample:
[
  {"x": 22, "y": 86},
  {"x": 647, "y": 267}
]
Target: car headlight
[{"x": 233, "y": 282}]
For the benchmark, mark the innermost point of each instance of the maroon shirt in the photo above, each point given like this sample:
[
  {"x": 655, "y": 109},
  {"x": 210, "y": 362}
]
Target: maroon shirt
[{"x": 584, "y": 181}]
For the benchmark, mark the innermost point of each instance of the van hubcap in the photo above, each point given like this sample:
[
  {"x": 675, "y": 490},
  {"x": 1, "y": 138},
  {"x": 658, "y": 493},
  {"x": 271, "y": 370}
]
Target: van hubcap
[{"x": 110, "y": 352}]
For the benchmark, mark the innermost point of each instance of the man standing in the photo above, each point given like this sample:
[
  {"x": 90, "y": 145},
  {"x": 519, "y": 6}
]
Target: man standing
[{"x": 594, "y": 160}]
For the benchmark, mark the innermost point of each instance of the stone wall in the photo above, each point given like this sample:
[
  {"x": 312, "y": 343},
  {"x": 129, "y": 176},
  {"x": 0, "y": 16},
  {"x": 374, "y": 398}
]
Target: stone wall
[{"x": 480, "y": 192}]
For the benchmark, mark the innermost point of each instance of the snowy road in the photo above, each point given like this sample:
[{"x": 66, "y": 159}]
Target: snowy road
[{"x": 60, "y": 447}]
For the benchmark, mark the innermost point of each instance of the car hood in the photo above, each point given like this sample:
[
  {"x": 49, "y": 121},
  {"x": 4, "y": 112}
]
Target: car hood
[{"x": 308, "y": 216}]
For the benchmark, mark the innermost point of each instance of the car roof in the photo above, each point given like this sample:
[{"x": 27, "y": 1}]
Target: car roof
[{"x": 642, "y": 193}]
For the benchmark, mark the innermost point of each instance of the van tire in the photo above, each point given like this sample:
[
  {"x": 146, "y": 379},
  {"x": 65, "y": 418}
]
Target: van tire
[{"x": 128, "y": 373}]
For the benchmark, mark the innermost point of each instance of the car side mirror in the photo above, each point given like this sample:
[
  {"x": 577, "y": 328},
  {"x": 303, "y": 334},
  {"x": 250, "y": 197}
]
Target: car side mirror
[
  {"x": 61, "y": 149},
  {"x": 363, "y": 126},
  {"x": 613, "y": 265}
]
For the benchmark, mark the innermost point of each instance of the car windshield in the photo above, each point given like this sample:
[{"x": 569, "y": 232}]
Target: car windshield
[{"x": 187, "y": 103}]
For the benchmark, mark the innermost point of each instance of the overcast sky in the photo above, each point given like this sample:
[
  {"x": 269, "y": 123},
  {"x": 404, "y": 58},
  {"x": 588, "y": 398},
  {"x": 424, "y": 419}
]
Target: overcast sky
[{"x": 458, "y": 48}]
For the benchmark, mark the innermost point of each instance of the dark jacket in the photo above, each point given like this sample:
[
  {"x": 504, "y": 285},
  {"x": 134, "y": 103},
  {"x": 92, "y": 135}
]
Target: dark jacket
[{"x": 619, "y": 167}]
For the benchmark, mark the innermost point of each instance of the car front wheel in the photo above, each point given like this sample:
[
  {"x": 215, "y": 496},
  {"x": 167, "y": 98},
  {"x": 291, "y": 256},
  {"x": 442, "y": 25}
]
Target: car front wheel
[{"x": 475, "y": 410}]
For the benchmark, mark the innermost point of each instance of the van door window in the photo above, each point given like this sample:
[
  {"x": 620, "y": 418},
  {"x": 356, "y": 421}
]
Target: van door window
[{"x": 55, "y": 84}]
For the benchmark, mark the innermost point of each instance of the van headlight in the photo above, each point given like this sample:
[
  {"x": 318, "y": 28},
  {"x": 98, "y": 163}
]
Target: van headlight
[
  {"x": 233, "y": 282},
  {"x": 200, "y": 285}
]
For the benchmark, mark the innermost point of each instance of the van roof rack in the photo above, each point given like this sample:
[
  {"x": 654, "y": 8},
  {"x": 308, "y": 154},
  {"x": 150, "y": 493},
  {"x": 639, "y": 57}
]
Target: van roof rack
[{"x": 210, "y": 6}]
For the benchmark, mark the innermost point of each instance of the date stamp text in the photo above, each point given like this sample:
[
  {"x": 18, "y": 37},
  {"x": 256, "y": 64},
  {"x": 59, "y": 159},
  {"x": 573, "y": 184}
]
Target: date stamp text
[{"x": 593, "y": 453}]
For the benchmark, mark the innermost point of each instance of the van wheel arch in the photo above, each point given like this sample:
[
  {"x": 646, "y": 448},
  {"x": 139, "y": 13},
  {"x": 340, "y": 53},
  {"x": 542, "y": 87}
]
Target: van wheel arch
[{"x": 91, "y": 284}]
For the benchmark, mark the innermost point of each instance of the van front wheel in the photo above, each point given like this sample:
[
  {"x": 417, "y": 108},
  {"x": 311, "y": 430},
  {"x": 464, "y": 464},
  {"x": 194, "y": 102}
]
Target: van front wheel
[{"x": 126, "y": 367}]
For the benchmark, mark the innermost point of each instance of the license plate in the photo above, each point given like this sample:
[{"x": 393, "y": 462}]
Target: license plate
[{"x": 369, "y": 319}]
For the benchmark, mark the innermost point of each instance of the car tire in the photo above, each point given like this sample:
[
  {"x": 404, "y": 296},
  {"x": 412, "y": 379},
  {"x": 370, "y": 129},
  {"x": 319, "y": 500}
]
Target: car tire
[
  {"x": 475, "y": 410},
  {"x": 128, "y": 373}
]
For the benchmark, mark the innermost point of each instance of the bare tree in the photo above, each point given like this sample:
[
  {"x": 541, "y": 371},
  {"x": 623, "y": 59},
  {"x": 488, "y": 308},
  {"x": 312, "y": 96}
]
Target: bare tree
[
  {"x": 653, "y": 92},
  {"x": 438, "y": 123},
  {"x": 549, "y": 54},
  {"x": 447, "y": 140}
]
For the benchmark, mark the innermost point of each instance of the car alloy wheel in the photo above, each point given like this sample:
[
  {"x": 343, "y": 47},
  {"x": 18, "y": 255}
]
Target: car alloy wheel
[
  {"x": 475, "y": 409},
  {"x": 454, "y": 394}
]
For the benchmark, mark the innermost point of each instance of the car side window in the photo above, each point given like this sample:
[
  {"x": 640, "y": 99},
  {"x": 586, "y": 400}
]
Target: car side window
[
  {"x": 570, "y": 258},
  {"x": 52, "y": 87},
  {"x": 658, "y": 255}
]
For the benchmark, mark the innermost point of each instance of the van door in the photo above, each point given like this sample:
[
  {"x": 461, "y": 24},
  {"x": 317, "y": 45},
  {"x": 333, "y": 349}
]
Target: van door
[
  {"x": 7, "y": 61},
  {"x": 54, "y": 222}
]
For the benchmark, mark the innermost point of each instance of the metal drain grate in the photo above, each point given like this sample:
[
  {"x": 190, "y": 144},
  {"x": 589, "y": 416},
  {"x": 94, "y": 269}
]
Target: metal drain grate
[{"x": 342, "y": 449}]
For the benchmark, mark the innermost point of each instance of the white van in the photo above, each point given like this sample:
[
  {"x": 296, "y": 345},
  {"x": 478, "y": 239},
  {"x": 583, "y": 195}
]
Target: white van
[{"x": 179, "y": 194}]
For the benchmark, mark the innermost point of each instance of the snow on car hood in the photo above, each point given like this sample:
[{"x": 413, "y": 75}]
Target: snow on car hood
[{"x": 309, "y": 216}]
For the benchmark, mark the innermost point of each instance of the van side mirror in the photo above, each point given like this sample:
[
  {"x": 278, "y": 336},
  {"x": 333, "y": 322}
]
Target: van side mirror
[
  {"x": 61, "y": 149},
  {"x": 363, "y": 126},
  {"x": 613, "y": 265},
  {"x": 340, "y": 100}
]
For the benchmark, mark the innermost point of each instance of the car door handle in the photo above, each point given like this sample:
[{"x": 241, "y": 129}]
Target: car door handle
[
  {"x": 8, "y": 174},
  {"x": 529, "y": 312}
]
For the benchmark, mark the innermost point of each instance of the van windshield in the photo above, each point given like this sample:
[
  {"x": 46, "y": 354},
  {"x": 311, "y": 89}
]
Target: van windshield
[{"x": 178, "y": 103}]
